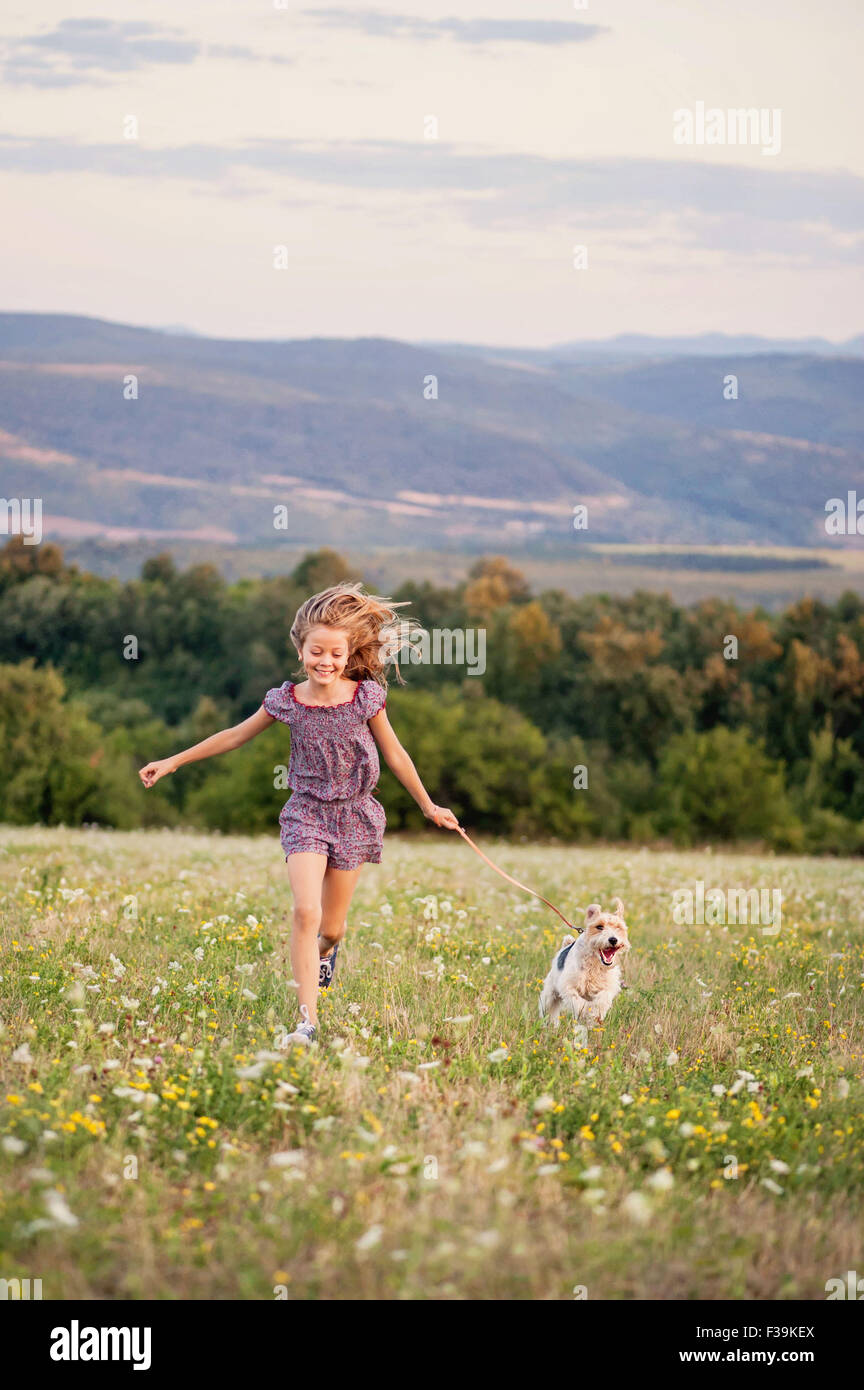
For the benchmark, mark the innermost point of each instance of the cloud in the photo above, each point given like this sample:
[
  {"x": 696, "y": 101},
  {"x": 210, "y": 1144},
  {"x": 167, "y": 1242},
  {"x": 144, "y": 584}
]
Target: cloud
[
  {"x": 471, "y": 31},
  {"x": 82, "y": 51},
  {"x": 739, "y": 207},
  {"x": 242, "y": 55}
]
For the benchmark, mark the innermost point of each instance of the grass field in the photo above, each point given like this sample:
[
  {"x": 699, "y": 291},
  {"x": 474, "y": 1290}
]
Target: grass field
[{"x": 439, "y": 1143}]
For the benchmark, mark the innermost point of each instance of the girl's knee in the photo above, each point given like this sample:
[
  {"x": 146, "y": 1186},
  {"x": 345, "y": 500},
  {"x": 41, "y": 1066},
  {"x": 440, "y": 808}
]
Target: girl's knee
[
  {"x": 307, "y": 918},
  {"x": 331, "y": 932}
]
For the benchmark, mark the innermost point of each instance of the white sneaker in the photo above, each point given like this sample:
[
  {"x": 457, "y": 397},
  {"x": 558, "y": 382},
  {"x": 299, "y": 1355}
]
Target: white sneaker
[{"x": 305, "y": 1033}]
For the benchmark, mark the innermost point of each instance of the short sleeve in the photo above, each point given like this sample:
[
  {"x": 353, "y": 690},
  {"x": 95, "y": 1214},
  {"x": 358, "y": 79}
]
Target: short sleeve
[
  {"x": 372, "y": 699},
  {"x": 277, "y": 701}
]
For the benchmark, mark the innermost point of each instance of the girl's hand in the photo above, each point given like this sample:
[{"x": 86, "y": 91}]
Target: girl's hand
[
  {"x": 153, "y": 771},
  {"x": 443, "y": 817}
]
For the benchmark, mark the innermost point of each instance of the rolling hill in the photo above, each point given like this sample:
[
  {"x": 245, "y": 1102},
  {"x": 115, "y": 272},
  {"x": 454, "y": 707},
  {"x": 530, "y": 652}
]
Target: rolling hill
[{"x": 340, "y": 435}]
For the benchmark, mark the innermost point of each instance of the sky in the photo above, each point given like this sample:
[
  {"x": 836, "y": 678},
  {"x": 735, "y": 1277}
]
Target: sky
[{"x": 429, "y": 170}]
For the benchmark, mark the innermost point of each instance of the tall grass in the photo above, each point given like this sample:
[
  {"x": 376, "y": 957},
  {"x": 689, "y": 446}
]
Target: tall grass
[{"x": 440, "y": 1142}]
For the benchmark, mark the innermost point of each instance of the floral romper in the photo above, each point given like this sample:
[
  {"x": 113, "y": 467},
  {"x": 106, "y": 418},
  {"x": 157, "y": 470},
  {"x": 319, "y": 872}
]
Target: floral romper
[{"x": 332, "y": 774}]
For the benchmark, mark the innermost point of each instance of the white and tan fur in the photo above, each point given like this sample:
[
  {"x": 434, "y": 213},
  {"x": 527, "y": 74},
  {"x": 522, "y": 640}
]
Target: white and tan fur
[{"x": 588, "y": 978}]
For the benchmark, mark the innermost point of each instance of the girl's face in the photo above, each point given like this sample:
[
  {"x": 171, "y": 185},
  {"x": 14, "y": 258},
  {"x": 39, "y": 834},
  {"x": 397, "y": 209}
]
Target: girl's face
[{"x": 325, "y": 654}]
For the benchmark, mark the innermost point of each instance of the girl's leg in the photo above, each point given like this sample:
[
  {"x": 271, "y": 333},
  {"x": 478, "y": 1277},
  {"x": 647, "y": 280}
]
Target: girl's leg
[
  {"x": 336, "y": 893},
  {"x": 306, "y": 873}
]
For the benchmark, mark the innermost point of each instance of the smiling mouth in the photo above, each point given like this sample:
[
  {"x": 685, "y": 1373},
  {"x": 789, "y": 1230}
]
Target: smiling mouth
[{"x": 607, "y": 954}]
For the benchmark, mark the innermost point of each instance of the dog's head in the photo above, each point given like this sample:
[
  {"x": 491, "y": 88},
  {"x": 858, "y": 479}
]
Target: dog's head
[{"x": 606, "y": 932}]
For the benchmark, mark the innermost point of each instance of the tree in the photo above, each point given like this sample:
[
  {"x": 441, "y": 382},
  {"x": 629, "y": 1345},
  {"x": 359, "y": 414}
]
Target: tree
[
  {"x": 20, "y": 561},
  {"x": 492, "y": 584},
  {"x": 53, "y": 765},
  {"x": 159, "y": 569},
  {"x": 720, "y": 785},
  {"x": 321, "y": 569}
]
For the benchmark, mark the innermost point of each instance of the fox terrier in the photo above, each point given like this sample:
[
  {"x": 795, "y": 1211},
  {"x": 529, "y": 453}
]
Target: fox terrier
[{"x": 586, "y": 972}]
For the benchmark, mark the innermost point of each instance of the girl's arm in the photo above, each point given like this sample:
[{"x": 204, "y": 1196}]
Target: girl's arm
[
  {"x": 402, "y": 767},
  {"x": 222, "y": 742}
]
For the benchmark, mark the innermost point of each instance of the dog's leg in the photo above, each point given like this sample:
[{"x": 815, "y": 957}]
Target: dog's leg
[
  {"x": 550, "y": 1003},
  {"x": 547, "y": 1001}
]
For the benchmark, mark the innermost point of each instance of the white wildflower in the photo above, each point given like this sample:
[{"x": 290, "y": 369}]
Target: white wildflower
[
  {"x": 637, "y": 1206},
  {"x": 661, "y": 1181},
  {"x": 289, "y": 1158},
  {"x": 370, "y": 1239},
  {"x": 58, "y": 1208},
  {"x": 543, "y": 1104}
]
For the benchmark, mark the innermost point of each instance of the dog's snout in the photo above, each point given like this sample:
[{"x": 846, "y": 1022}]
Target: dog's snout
[{"x": 613, "y": 941}]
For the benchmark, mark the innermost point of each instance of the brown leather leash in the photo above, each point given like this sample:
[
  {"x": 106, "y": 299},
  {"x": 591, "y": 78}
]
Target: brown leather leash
[{"x": 517, "y": 884}]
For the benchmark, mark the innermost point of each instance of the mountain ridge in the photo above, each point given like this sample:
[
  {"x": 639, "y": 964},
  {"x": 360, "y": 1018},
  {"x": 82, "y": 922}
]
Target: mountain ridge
[{"x": 349, "y": 437}]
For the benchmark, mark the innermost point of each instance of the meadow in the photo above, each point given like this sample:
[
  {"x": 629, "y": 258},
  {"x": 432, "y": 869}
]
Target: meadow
[{"x": 440, "y": 1142}]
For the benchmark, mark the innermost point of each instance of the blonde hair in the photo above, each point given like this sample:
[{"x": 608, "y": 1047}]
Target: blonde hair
[{"x": 376, "y": 634}]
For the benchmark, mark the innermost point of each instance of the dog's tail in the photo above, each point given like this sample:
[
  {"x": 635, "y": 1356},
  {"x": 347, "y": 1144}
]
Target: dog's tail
[{"x": 568, "y": 940}]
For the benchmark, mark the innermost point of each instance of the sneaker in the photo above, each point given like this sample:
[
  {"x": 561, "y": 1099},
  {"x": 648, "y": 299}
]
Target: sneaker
[
  {"x": 327, "y": 968},
  {"x": 305, "y": 1032}
]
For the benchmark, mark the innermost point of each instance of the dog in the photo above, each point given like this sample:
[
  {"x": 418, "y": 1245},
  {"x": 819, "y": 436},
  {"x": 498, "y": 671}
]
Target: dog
[{"x": 585, "y": 975}]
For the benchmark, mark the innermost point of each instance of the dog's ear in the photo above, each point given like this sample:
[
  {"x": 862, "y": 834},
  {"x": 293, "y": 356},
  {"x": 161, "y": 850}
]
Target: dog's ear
[
  {"x": 592, "y": 913},
  {"x": 618, "y": 908}
]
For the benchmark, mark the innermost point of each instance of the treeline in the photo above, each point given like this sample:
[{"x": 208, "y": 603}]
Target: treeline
[{"x": 594, "y": 718}]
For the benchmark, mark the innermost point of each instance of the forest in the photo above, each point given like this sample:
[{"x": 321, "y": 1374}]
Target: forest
[{"x": 601, "y": 718}]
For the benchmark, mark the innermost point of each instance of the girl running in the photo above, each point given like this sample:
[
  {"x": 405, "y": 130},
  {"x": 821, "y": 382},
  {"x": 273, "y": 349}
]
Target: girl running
[{"x": 332, "y": 824}]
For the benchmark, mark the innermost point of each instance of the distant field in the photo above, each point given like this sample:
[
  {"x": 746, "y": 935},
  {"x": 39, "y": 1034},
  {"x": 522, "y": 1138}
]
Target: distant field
[
  {"x": 767, "y": 575},
  {"x": 440, "y": 1143}
]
